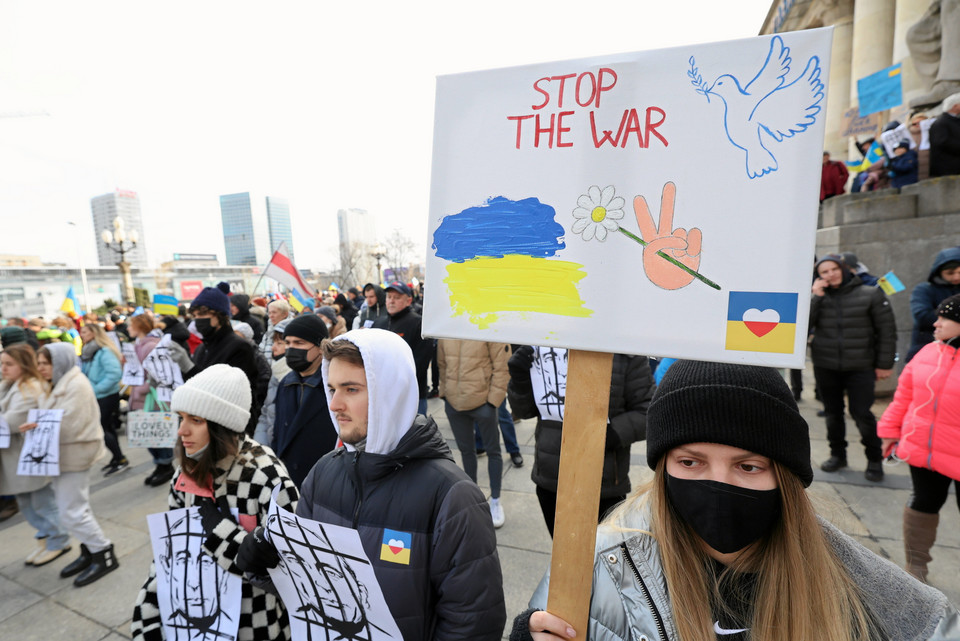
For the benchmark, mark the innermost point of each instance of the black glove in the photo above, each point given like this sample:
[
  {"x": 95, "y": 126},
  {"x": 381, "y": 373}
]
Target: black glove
[
  {"x": 212, "y": 514},
  {"x": 257, "y": 554},
  {"x": 612, "y": 438}
]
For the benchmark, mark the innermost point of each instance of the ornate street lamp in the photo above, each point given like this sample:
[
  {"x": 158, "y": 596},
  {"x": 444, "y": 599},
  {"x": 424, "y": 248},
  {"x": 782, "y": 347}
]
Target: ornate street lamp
[
  {"x": 378, "y": 255},
  {"x": 122, "y": 241}
]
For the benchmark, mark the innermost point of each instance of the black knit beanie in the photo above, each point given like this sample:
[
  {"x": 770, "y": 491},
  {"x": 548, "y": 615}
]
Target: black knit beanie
[
  {"x": 950, "y": 308},
  {"x": 738, "y": 405},
  {"x": 309, "y": 328}
]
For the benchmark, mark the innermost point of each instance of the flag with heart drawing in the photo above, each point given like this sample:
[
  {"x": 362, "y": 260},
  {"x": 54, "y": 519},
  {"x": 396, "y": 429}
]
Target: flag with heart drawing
[
  {"x": 761, "y": 322},
  {"x": 395, "y": 547}
]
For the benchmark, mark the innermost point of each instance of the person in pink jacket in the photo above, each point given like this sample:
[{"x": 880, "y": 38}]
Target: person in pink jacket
[{"x": 923, "y": 423}]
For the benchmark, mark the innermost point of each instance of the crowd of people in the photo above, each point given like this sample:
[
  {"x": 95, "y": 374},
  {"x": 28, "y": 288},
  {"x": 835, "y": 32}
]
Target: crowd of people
[{"x": 328, "y": 404}]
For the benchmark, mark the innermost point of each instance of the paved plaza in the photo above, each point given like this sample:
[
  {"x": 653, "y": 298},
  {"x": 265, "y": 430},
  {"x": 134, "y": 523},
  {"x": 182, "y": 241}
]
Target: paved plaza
[{"x": 35, "y": 604}]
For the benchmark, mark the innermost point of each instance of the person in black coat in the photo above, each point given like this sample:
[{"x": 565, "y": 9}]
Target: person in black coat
[
  {"x": 405, "y": 322},
  {"x": 537, "y": 388},
  {"x": 346, "y": 309},
  {"x": 303, "y": 430},
  {"x": 179, "y": 333},
  {"x": 211, "y": 314},
  {"x": 240, "y": 309}
]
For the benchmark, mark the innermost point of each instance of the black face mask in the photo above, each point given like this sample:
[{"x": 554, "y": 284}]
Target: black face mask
[
  {"x": 277, "y": 357},
  {"x": 297, "y": 359},
  {"x": 204, "y": 327},
  {"x": 727, "y": 517}
]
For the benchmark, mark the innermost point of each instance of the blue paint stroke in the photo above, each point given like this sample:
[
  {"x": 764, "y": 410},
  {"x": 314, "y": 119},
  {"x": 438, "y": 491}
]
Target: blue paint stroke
[
  {"x": 768, "y": 109},
  {"x": 497, "y": 228}
]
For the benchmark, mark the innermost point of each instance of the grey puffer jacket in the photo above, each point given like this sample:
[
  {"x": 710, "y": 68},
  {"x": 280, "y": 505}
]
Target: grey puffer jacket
[
  {"x": 630, "y": 601},
  {"x": 853, "y": 328}
]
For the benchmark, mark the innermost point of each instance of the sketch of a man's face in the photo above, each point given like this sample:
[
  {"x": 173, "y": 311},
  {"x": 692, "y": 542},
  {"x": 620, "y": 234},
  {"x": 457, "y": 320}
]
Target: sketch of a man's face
[
  {"x": 196, "y": 581},
  {"x": 552, "y": 366}
]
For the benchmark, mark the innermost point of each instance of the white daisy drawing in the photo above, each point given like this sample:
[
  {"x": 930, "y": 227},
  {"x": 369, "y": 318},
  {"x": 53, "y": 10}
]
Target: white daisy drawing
[{"x": 597, "y": 212}]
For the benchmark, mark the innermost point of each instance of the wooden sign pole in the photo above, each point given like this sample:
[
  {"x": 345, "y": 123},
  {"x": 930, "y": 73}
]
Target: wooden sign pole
[{"x": 578, "y": 489}]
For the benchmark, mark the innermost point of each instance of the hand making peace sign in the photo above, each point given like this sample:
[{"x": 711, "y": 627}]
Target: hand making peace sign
[{"x": 660, "y": 236}]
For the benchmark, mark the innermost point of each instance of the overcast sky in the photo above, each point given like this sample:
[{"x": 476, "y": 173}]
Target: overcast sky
[{"x": 329, "y": 104}]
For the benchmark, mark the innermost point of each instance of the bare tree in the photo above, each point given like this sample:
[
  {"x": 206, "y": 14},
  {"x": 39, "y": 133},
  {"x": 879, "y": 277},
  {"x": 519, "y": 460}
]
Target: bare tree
[
  {"x": 397, "y": 250},
  {"x": 356, "y": 265}
]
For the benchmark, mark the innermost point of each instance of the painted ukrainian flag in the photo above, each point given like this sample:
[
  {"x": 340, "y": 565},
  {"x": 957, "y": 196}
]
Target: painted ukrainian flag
[
  {"x": 761, "y": 322},
  {"x": 165, "y": 305},
  {"x": 396, "y": 547},
  {"x": 500, "y": 261}
]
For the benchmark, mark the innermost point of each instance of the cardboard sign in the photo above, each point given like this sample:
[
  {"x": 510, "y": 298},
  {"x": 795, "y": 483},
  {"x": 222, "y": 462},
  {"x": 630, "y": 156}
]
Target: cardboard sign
[
  {"x": 856, "y": 125},
  {"x": 152, "y": 429},
  {"x": 632, "y": 203}
]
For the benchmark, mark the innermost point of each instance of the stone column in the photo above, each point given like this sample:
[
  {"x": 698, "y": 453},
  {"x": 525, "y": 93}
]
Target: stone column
[
  {"x": 907, "y": 13},
  {"x": 838, "y": 90},
  {"x": 873, "y": 25}
]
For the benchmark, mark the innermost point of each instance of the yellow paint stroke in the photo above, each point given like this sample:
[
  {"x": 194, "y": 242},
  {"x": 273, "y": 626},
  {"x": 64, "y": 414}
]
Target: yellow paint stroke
[{"x": 482, "y": 287}]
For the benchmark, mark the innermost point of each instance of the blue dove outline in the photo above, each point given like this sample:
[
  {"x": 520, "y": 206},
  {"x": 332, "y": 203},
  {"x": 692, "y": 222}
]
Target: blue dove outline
[{"x": 768, "y": 104}]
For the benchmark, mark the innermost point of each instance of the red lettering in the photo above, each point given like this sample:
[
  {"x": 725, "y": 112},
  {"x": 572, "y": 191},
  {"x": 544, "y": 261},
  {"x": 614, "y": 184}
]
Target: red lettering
[
  {"x": 651, "y": 127},
  {"x": 561, "y": 130},
  {"x": 542, "y": 130},
  {"x": 593, "y": 89},
  {"x": 602, "y": 87},
  {"x": 519, "y": 120},
  {"x": 633, "y": 126},
  {"x": 562, "y": 80},
  {"x": 546, "y": 95},
  {"x": 607, "y": 134}
]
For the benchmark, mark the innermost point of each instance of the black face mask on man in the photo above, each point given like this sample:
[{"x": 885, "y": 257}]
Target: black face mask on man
[
  {"x": 297, "y": 359},
  {"x": 727, "y": 517},
  {"x": 204, "y": 327}
]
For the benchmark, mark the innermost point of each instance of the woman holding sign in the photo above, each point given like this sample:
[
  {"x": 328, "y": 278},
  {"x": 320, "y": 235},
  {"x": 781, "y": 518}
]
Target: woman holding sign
[
  {"x": 221, "y": 469},
  {"x": 21, "y": 391},
  {"x": 81, "y": 444},
  {"x": 724, "y": 543}
]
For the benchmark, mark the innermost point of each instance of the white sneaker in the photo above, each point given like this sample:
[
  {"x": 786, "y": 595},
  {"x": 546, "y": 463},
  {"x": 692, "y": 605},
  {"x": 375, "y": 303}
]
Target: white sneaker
[
  {"x": 496, "y": 513},
  {"x": 40, "y": 548}
]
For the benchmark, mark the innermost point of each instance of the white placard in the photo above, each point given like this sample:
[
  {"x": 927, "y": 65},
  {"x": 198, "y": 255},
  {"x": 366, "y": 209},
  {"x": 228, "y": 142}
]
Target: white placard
[
  {"x": 4, "y": 434},
  {"x": 162, "y": 368},
  {"x": 326, "y": 581},
  {"x": 563, "y": 195},
  {"x": 152, "y": 429},
  {"x": 40, "y": 455},
  {"x": 198, "y": 599},
  {"x": 132, "y": 370}
]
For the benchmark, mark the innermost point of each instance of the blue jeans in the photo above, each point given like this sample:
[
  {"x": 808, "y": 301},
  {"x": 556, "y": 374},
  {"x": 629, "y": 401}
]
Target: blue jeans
[
  {"x": 161, "y": 455},
  {"x": 39, "y": 508},
  {"x": 506, "y": 428},
  {"x": 422, "y": 407}
]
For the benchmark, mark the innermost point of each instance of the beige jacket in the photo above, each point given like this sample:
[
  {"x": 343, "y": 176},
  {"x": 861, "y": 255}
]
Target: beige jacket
[
  {"x": 81, "y": 436},
  {"x": 15, "y": 402},
  {"x": 472, "y": 373}
]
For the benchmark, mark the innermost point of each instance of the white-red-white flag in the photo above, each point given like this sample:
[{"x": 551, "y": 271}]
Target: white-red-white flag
[{"x": 281, "y": 269}]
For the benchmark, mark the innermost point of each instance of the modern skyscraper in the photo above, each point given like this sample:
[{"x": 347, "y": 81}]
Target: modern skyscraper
[
  {"x": 126, "y": 205},
  {"x": 358, "y": 238},
  {"x": 253, "y": 227}
]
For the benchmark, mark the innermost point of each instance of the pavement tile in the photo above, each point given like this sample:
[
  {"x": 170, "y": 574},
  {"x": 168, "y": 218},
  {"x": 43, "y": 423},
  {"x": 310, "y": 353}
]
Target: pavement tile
[
  {"x": 15, "y": 598},
  {"x": 49, "y": 620}
]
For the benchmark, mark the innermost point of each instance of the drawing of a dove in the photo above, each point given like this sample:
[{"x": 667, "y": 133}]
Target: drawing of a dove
[{"x": 768, "y": 108}]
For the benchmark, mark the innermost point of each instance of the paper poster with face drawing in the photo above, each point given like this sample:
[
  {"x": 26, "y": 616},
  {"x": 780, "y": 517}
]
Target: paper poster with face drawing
[
  {"x": 40, "y": 455},
  {"x": 326, "y": 581},
  {"x": 132, "y": 370},
  {"x": 661, "y": 202},
  {"x": 159, "y": 364},
  {"x": 199, "y": 600},
  {"x": 4, "y": 434}
]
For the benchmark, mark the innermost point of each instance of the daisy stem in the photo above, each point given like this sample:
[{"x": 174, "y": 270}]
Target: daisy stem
[{"x": 671, "y": 259}]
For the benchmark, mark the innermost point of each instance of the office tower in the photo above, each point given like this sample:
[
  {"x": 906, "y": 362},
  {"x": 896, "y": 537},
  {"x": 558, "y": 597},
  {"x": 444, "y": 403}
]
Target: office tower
[
  {"x": 106, "y": 208},
  {"x": 253, "y": 227}
]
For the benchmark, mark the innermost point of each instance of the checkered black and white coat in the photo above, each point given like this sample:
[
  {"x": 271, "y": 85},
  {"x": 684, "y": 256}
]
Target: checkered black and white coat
[{"x": 247, "y": 482}]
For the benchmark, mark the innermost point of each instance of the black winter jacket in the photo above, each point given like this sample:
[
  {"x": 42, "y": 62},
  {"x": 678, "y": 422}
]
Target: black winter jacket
[
  {"x": 303, "y": 431},
  {"x": 853, "y": 328},
  {"x": 926, "y": 297},
  {"x": 451, "y": 585},
  {"x": 631, "y": 388},
  {"x": 228, "y": 348},
  {"x": 408, "y": 325}
]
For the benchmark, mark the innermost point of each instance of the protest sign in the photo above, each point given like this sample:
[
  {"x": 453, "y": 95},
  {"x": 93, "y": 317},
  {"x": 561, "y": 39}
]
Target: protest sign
[
  {"x": 4, "y": 434},
  {"x": 132, "y": 371},
  {"x": 159, "y": 364},
  {"x": 40, "y": 455},
  {"x": 198, "y": 600},
  {"x": 326, "y": 580},
  {"x": 655, "y": 186},
  {"x": 880, "y": 90},
  {"x": 856, "y": 125},
  {"x": 152, "y": 429}
]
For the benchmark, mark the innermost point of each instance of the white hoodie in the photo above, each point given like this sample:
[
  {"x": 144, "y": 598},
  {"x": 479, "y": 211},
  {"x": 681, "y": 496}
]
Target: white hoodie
[{"x": 392, "y": 391}]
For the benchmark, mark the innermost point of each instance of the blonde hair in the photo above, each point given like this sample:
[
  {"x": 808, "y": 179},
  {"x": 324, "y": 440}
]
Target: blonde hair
[
  {"x": 803, "y": 591},
  {"x": 100, "y": 338}
]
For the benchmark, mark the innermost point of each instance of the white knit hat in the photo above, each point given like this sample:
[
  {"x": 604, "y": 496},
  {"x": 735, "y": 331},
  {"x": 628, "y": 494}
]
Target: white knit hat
[{"x": 219, "y": 393}]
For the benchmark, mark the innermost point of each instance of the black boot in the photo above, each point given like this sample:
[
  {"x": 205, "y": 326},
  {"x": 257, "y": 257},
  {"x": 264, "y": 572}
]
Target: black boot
[
  {"x": 161, "y": 475},
  {"x": 78, "y": 565},
  {"x": 101, "y": 563}
]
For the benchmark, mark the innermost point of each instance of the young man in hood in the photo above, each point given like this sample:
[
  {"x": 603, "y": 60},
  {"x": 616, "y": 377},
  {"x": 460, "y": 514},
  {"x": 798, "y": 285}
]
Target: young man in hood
[
  {"x": 425, "y": 526},
  {"x": 942, "y": 283}
]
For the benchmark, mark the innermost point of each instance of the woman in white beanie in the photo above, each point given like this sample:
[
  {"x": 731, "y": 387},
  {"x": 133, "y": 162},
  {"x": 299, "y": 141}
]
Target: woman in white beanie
[{"x": 221, "y": 468}]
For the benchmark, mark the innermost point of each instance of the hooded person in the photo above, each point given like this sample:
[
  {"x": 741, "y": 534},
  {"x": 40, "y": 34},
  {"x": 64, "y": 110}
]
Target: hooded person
[
  {"x": 302, "y": 430},
  {"x": 375, "y": 309},
  {"x": 395, "y": 481},
  {"x": 81, "y": 444},
  {"x": 177, "y": 330},
  {"x": 345, "y": 309},
  {"x": 240, "y": 310},
  {"x": 942, "y": 283}
]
